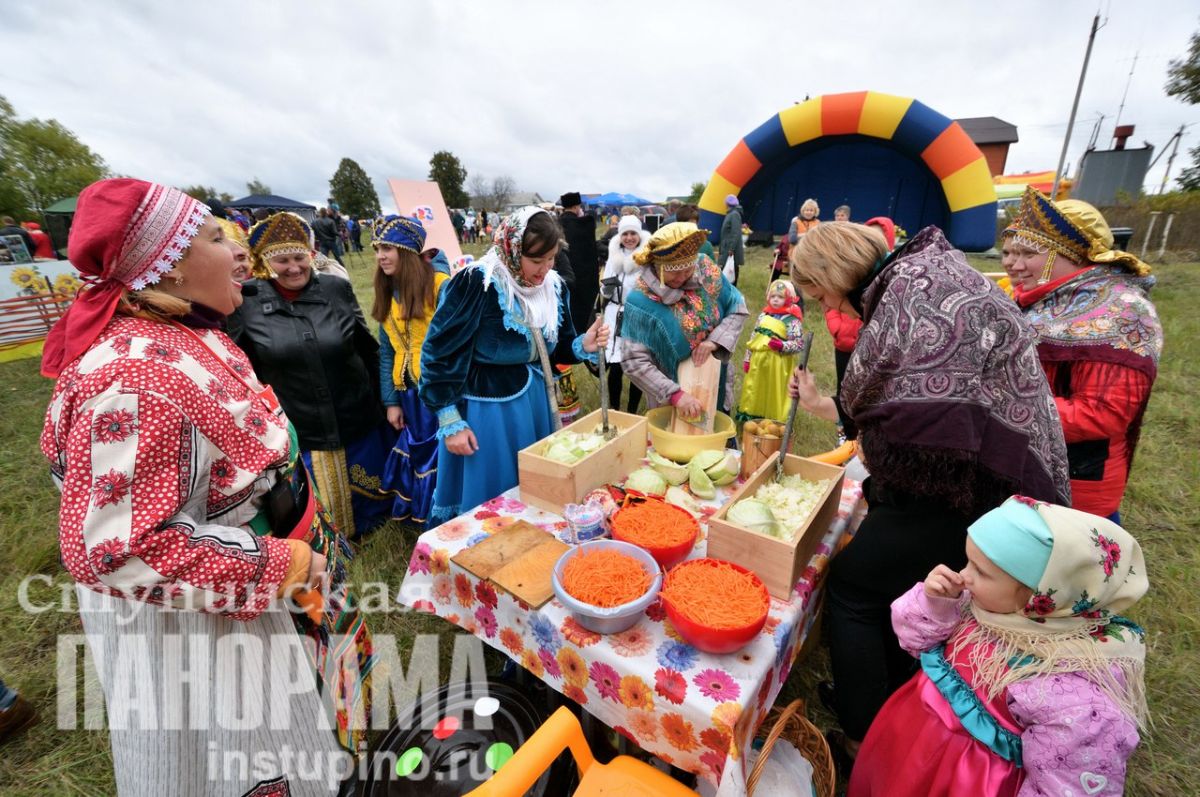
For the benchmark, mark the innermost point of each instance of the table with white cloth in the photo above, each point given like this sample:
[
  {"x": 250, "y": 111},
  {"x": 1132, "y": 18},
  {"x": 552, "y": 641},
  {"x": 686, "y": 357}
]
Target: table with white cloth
[{"x": 694, "y": 710}]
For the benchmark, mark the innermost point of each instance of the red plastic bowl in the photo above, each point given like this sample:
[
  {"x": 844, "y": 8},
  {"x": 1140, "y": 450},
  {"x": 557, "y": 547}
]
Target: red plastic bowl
[
  {"x": 706, "y": 638},
  {"x": 667, "y": 556}
]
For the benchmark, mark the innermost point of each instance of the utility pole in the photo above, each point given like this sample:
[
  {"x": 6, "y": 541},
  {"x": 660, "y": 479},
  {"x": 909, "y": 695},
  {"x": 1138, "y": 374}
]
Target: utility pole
[
  {"x": 1087, "y": 56},
  {"x": 1126, "y": 94},
  {"x": 1170, "y": 160}
]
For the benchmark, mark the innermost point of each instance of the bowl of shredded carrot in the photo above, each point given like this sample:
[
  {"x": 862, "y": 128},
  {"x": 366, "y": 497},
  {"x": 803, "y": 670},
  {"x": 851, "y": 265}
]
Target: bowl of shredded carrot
[
  {"x": 716, "y": 606},
  {"x": 667, "y": 531},
  {"x": 606, "y": 584}
]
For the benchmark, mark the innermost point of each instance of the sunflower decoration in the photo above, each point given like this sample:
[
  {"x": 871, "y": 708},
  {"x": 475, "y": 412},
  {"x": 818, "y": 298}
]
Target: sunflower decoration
[
  {"x": 67, "y": 284},
  {"x": 27, "y": 279}
]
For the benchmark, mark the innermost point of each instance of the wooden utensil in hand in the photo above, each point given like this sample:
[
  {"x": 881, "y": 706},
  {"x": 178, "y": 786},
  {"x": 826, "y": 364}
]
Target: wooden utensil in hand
[{"x": 795, "y": 404}]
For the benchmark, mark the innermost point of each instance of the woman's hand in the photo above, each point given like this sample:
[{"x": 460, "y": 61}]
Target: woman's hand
[
  {"x": 597, "y": 336},
  {"x": 395, "y": 416},
  {"x": 702, "y": 352},
  {"x": 688, "y": 407},
  {"x": 803, "y": 388},
  {"x": 942, "y": 582},
  {"x": 316, "y": 571},
  {"x": 462, "y": 443}
]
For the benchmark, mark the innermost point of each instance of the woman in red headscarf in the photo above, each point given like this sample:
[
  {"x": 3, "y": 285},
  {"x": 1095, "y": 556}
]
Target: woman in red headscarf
[{"x": 184, "y": 514}]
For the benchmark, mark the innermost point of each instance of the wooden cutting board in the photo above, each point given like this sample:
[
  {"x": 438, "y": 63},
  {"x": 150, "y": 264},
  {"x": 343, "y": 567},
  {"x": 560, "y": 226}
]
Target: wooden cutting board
[
  {"x": 519, "y": 559},
  {"x": 701, "y": 383}
]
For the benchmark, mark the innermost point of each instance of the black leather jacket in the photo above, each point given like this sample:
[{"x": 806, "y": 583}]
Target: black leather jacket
[{"x": 318, "y": 355}]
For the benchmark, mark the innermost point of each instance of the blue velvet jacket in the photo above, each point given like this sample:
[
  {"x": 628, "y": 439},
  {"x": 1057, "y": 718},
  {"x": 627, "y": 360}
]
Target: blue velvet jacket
[{"x": 478, "y": 349}]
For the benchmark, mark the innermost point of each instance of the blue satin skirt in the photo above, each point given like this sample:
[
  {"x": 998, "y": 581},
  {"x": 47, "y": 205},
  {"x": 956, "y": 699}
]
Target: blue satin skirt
[
  {"x": 502, "y": 427},
  {"x": 411, "y": 471}
]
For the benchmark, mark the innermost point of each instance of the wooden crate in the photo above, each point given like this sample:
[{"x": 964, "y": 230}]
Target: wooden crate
[
  {"x": 779, "y": 563},
  {"x": 551, "y": 485}
]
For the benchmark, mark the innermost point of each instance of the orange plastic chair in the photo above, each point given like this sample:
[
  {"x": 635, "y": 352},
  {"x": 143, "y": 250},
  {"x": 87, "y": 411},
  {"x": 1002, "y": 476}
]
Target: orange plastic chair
[{"x": 623, "y": 775}]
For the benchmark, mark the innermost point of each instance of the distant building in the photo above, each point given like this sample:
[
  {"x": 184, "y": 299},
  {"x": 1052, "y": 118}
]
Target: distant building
[
  {"x": 518, "y": 199},
  {"x": 1111, "y": 176},
  {"x": 993, "y": 137}
]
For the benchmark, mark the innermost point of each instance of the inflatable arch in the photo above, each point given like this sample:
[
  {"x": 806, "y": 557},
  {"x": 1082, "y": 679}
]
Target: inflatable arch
[{"x": 882, "y": 155}]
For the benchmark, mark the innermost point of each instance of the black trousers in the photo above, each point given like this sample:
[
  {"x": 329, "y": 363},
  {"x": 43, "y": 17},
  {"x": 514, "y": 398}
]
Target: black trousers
[
  {"x": 900, "y": 540},
  {"x": 615, "y": 373}
]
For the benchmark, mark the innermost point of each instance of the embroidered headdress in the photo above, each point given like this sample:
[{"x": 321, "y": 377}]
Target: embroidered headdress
[
  {"x": 404, "y": 232},
  {"x": 673, "y": 247},
  {"x": 233, "y": 232},
  {"x": 279, "y": 234},
  {"x": 1071, "y": 228},
  {"x": 126, "y": 234}
]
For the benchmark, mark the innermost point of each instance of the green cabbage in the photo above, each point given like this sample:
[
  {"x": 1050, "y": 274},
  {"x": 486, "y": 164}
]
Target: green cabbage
[
  {"x": 647, "y": 481},
  {"x": 755, "y": 515}
]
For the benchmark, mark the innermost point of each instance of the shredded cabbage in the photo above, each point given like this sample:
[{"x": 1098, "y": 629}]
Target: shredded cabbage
[
  {"x": 570, "y": 447},
  {"x": 791, "y": 500}
]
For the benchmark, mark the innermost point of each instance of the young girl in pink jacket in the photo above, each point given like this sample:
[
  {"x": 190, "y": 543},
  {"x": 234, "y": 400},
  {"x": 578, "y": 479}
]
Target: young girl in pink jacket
[{"x": 1030, "y": 682}]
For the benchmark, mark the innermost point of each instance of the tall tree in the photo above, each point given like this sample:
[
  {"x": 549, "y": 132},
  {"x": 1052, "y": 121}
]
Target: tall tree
[
  {"x": 502, "y": 191},
  {"x": 479, "y": 189},
  {"x": 256, "y": 187},
  {"x": 352, "y": 190},
  {"x": 1183, "y": 81},
  {"x": 697, "y": 192},
  {"x": 41, "y": 162},
  {"x": 447, "y": 171}
]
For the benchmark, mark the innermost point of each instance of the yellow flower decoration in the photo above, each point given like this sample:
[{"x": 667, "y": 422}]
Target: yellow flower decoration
[
  {"x": 68, "y": 284},
  {"x": 24, "y": 277}
]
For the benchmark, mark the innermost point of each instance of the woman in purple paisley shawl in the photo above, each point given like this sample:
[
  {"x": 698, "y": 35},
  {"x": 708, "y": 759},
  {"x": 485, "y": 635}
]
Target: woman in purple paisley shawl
[{"x": 953, "y": 414}]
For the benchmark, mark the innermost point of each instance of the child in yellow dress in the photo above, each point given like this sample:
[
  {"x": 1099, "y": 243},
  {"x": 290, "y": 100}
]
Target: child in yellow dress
[{"x": 771, "y": 355}]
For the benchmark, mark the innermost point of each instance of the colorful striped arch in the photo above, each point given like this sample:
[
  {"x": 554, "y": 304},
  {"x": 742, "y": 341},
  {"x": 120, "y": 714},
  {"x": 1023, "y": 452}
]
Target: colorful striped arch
[{"x": 904, "y": 124}]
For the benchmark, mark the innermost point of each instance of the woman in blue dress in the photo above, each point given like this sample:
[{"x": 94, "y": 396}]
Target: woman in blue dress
[
  {"x": 406, "y": 292},
  {"x": 487, "y": 363}
]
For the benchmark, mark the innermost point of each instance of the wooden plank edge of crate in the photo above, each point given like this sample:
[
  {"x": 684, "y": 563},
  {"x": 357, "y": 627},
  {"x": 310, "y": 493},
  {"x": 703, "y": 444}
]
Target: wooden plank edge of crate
[{"x": 777, "y": 562}]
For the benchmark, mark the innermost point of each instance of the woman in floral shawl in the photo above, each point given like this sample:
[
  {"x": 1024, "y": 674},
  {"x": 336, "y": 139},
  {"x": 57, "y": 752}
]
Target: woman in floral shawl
[
  {"x": 684, "y": 307},
  {"x": 952, "y": 413},
  {"x": 1099, "y": 338},
  {"x": 500, "y": 326}
]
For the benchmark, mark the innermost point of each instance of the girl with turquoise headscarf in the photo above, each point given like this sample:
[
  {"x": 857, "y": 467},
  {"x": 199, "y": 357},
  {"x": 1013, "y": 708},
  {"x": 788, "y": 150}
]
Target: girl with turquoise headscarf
[{"x": 1031, "y": 681}]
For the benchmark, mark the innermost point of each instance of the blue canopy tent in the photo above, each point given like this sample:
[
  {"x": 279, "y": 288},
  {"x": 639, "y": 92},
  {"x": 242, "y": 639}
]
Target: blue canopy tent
[{"x": 274, "y": 203}]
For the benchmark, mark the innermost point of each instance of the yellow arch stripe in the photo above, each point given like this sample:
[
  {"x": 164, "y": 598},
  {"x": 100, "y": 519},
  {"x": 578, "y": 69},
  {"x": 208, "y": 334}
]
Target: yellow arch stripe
[
  {"x": 882, "y": 113},
  {"x": 970, "y": 186},
  {"x": 713, "y": 198},
  {"x": 802, "y": 122}
]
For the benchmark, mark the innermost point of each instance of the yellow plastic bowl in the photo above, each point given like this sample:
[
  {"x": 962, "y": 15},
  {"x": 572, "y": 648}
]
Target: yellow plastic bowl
[{"x": 679, "y": 447}]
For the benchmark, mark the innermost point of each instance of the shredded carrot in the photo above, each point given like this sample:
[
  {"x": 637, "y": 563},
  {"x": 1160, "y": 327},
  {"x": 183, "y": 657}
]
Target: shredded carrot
[
  {"x": 654, "y": 524},
  {"x": 715, "y": 594},
  {"x": 605, "y": 578}
]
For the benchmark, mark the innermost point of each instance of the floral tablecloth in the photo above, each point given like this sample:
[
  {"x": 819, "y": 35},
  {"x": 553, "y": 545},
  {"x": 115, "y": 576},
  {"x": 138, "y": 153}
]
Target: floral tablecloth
[{"x": 694, "y": 710}]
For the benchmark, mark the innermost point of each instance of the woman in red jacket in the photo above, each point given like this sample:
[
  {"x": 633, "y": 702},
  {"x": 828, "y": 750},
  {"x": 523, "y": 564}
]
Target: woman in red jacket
[{"x": 1099, "y": 338}]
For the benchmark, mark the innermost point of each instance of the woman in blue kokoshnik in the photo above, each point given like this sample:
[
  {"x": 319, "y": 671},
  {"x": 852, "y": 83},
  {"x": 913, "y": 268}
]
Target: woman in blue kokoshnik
[{"x": 486, "y": 366}]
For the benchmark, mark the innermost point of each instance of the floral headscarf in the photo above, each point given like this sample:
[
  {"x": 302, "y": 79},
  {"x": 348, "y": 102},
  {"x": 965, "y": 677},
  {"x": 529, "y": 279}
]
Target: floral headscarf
[
  {"x": 507, "y": 240},
  {"x": 502, "y": 267},
  {"x": 1094, "y": 570},
  {"x": 787, "y": 290}
]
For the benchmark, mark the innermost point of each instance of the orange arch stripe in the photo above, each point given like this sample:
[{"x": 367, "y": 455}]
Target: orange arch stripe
[
  {"x": 950, "y": 151},
  {"x": 840, "y": 113},
  {"x": 739, "y": 165}
]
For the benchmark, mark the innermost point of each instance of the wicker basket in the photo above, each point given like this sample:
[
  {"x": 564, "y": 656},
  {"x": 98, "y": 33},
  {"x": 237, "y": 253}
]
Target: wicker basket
[{"x": 791, "y": 724}]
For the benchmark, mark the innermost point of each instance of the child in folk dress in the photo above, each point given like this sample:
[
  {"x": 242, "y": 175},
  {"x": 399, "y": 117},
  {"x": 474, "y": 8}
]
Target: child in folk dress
[
  {"x": 1030, "y": 682},
  {"x": 771, "y": 354}
]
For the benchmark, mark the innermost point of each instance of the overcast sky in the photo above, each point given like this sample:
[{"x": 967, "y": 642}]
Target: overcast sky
[{"x": 641, "y": 97}]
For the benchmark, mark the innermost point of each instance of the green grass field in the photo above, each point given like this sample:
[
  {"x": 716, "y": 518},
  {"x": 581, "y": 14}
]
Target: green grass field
[{"x": 1162, "y": 508}]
